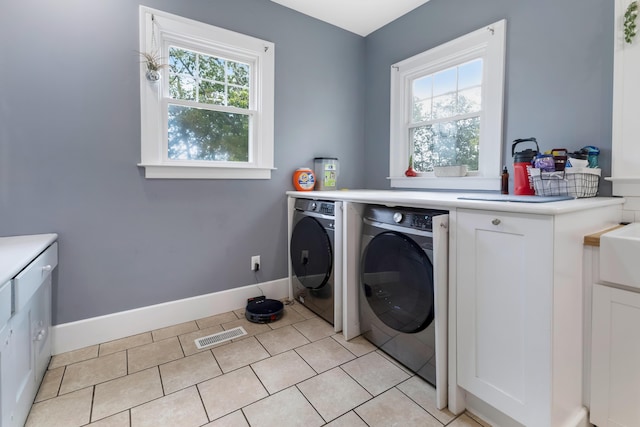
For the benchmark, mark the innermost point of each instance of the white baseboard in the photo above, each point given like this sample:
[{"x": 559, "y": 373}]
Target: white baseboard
[{"x": 96, "y": 330}]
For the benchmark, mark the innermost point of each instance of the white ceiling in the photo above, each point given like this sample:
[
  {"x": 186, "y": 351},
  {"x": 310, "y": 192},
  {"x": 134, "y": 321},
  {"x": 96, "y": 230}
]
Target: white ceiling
[{"x": 358, "y": 16}]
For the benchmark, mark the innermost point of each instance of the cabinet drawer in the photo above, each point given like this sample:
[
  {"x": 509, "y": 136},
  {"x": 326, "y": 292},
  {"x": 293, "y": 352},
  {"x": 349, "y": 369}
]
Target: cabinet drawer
[
  {"x": 5, "y": 303},
  {"x": 29, "y": 280}
]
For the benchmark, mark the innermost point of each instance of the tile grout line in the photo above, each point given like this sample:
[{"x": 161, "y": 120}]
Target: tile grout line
[
  {"x": 93, "y": 399},
  {"x": 202, "y": 402}
]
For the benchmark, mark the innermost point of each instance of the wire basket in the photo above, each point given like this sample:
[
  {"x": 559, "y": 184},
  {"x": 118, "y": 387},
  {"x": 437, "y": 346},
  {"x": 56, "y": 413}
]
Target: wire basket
[{"x": 574, "y": 182}]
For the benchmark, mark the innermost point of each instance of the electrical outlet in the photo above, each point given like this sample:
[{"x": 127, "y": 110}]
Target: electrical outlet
[{"x": 255, "y": 263}]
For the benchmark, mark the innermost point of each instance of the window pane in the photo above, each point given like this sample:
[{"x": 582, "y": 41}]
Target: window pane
[
  {"x": 470, "y": 74},
  {"x": 444, "y": 106},
  {"x": 446, "y": 144},
  {"x": 197, "y": 134},
  {"x": 181, "y": 87},
  {"x": 212, "y": 68},
  {"x": 238, "y": 73},
  {"x": 238, "y": 97},
  {"x": 421, "y": 87},
  {"x": 468, "y": 142},
  {"x": 421, "y": 96},
  {"x": 444, "y": 82},
  {"x": 212, "y": 93},
  {"x": 470, "y": 100},
  {"x": 422, "y": 110},
  {"x": 182, "y": 61}
]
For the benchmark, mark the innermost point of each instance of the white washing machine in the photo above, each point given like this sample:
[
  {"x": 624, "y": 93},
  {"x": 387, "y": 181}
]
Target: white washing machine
[
  {"x": 312, "y": 257},
  {"x": 403, "y": 289}
]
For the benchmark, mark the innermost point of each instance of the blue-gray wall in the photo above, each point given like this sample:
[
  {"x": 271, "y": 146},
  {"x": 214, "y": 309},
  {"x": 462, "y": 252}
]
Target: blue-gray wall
[
  {"x": 70, "y": 132},
  {"x": 70, "y": 142},
  {"x": 559, "y": 72}
]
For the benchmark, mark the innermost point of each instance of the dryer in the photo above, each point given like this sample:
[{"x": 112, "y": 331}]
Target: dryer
[
  {"x": 403, "y": 289},
  {"x": 312, "y": 256}
]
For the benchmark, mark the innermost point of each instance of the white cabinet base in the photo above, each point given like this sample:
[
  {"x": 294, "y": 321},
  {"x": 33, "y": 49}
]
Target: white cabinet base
[
  {"x": 615, "y": 358},
  {"x": 503, "y": 341},
  {"x": 517, "y": 302}
]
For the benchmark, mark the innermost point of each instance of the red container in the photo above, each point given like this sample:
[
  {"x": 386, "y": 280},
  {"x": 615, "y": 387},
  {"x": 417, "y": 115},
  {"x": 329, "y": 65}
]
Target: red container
[{"x": 522, "y": 182}]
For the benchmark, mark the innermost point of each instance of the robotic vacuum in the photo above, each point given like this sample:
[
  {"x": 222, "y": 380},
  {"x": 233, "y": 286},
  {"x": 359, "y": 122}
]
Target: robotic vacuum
[{"x": 263, "y": 310}]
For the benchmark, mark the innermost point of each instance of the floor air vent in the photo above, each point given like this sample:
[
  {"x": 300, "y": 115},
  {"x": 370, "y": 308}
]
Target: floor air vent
[{"x": 220, "y": 337}]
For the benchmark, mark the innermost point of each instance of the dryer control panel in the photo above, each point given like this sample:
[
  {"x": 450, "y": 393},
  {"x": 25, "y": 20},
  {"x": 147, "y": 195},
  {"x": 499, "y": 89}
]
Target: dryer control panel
[
  {"x": 419, "y": 219},
  {"x": 422, "y": 222}
]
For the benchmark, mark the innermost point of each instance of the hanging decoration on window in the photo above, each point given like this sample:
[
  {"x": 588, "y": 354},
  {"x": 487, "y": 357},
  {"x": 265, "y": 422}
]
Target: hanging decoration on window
[
  {"x": 152, "y": 58},
  {"x": 630, "y": 18}
]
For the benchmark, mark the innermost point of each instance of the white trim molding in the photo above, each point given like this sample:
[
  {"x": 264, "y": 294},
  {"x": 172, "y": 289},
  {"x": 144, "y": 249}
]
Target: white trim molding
[{"x": 82, "y": 333}]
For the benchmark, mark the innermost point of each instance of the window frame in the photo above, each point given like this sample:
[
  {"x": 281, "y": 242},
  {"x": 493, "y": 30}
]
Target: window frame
[
  {"x": 488, "y": 43},
  {"x": 160, "y": 30}
]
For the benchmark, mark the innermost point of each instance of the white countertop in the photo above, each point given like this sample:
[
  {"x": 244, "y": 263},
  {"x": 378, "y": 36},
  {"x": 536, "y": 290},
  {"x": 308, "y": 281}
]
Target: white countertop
[
  {"x": 17, "y": 251},
  {"x": 450, "y": 200}
]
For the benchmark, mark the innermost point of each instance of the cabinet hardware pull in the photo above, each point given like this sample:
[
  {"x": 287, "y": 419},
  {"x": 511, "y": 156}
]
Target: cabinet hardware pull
[
  {"x": 495, "y": 221},
  {"x": 46, "y": 268}
]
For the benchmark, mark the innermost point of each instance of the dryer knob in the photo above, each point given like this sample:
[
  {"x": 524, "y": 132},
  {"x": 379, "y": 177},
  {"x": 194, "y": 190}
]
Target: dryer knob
[
  {"x": 314, "y": 205},
  {"x": 397, "y": 217}
]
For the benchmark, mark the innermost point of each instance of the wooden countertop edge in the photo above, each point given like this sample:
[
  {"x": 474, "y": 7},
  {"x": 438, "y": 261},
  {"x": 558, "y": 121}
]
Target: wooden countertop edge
[{"x": 594, "y": 239}]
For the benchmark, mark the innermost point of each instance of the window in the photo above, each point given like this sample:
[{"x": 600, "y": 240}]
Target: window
[
  {"x": 210, "y": 115},
  {"x": 446, "y": 109}
]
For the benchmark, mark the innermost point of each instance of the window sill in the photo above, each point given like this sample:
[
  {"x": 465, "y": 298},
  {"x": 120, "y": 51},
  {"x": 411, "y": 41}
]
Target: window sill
[
  {"x": 163, "y": 171},
  {"x": 446, "y": 183},
  {"x": 626, "y": 186}
]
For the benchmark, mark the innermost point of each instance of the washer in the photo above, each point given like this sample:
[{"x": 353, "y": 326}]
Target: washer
[
  {"x": 403, "y": 289},
  {"x": 312, "y": 258}
]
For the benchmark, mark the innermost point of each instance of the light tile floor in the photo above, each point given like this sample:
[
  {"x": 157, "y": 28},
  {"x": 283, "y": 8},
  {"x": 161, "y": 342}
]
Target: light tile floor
[{"x": 293, "y": 372}]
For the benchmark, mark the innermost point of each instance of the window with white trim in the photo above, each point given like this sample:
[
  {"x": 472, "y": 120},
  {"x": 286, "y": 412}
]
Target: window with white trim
[
  {"x": 210, "y": 113},
  {"x": 446, "y": 110}
]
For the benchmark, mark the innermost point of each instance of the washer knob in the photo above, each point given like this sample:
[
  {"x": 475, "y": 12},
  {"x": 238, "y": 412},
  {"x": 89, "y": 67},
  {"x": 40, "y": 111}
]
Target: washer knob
[
  {"x": 314, "y": 205},
  {"x": 397, "y": 217}
]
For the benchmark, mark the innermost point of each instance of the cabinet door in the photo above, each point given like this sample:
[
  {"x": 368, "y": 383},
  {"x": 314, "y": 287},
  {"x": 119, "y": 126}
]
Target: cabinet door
[
  {"x": 21, "y": 351},
  {"x": 40, "y": 329},
  {"x": 504, "y": 296},
  {"x": 615, "y": 356},
  {"x": 7, "y": 378}
]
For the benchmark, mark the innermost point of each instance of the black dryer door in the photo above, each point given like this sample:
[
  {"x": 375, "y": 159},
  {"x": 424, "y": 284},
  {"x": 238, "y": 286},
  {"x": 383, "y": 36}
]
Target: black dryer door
[
  {"x": 311, "y": 253},
  {"x": 397, "y": 280}
]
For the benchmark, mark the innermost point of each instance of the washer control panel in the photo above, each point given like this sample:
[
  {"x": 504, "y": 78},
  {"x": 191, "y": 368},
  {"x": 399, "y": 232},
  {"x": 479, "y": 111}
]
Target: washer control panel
[{"x": 318, "y": 206}]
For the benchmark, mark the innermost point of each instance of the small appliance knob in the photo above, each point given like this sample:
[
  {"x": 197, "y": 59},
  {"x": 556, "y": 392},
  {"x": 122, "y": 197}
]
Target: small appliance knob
[{"x": 397, "y": 217}]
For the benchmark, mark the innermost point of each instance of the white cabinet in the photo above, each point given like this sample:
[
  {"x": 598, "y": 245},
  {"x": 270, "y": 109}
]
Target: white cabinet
[
  {"x": 25, "y": 346},
  {"x": 615, "y": 357},
  {"x": 504, "y": 306},
  {"x": 518, "y": 314}
]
